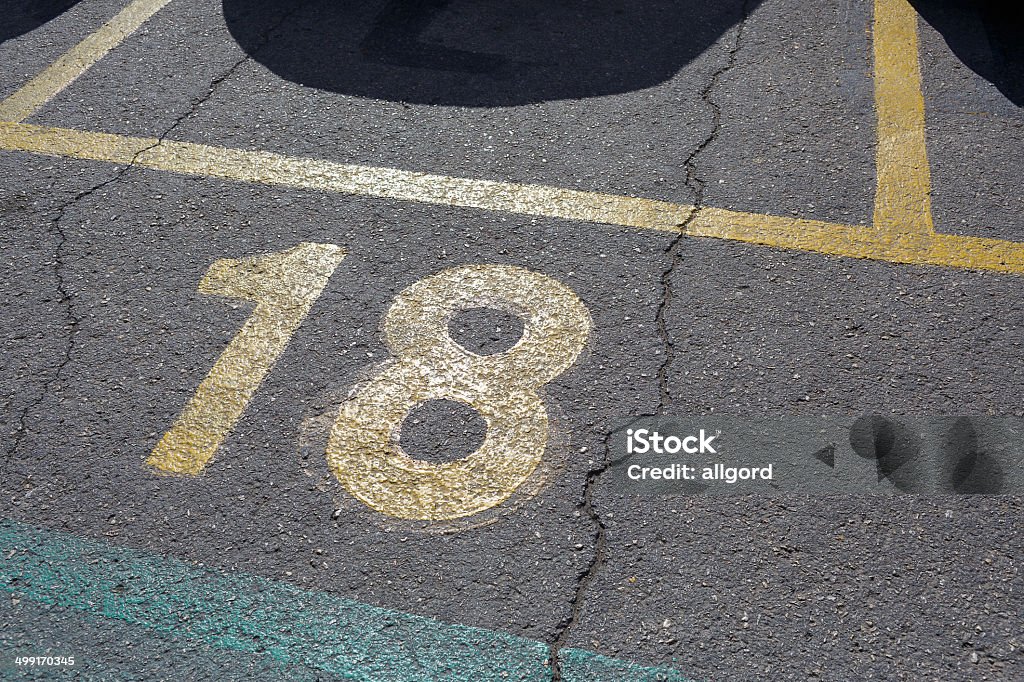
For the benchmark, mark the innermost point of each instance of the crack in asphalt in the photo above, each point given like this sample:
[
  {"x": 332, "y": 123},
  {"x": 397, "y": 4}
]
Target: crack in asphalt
[
  {"x": 697, "y": 185},
  {"x": 220, "y": 79},
  {"x": 673, "y": 252},
  {"x": 597, "y": 560},
  {"x": 66, "y": 297},
  {"x": 72, "y": 321}
]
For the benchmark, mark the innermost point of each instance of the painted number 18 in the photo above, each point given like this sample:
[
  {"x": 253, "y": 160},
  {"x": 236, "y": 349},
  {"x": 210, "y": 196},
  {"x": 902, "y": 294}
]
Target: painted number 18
[{"x": 363, "y": 450}]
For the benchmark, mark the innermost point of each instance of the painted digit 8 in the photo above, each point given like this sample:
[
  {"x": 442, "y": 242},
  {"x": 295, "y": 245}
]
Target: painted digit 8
[{"x": 363, "y": 450}]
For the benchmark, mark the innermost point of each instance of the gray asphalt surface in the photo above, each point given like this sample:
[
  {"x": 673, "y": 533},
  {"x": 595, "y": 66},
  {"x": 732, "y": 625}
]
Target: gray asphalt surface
[{"x": 105, "y": 338}]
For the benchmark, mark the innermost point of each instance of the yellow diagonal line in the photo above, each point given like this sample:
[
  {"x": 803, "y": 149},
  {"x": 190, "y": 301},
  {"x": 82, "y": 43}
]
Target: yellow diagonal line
[
  {"x": 389, "y": 183},
  {"x": 836, "y": 239},
  {"x": 76, "y": 61},
  {"x": 902, "y": 196}
]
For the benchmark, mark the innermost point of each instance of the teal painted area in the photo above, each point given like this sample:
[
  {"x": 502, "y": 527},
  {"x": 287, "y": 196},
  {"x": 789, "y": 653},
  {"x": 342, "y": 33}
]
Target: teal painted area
[
  {"x": 247, "y": 613},
  {"x": 101, "y": 655}
]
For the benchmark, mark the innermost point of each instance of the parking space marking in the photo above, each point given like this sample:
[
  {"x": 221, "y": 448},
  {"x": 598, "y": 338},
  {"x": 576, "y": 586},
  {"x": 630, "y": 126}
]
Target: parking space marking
[
  {"x": 853, "y": 241},
  {"x": 911, "y": 247},
  {"x": 247, "y": 613},
  {"x": 903, "y": 189},
  {"x": 375, "y": 181},
  {"x": 902, "y": 230},
  {"x": 76, "y": 61}
]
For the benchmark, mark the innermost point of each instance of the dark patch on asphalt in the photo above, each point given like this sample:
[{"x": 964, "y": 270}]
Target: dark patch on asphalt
[
  {"x": 969, "y": 470},
  {"x": 966, "y": 469},
  {"x": 895, "y": 449}
]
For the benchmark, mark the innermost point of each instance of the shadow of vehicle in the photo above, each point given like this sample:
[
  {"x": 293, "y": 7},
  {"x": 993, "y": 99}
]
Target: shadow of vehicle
[
  {"x": 479, "y": 53},
  {"x": 986, "y": 35},
  {"x": 18, "y": 17}
]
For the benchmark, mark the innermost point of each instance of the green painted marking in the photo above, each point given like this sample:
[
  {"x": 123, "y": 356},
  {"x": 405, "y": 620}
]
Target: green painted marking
[{"x": 243, "y": 612}]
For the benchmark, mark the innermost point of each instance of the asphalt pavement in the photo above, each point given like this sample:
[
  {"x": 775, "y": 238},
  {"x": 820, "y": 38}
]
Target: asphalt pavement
[{"x": 682, "y": 207}]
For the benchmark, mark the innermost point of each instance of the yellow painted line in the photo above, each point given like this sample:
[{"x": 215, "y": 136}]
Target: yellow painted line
[
  {"x": 896, "y": 246},
  {"x": 903, "y": 192},
  {"x": 903, "y": 231},
  {"x": 388, "y": 183},
  {"x": 852, "y": 241},
  {"x": 76, "y": 61}
]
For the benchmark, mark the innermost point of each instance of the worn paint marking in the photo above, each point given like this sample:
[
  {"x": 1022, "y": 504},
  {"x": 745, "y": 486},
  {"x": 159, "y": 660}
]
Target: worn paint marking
[
  {"x": 364, "y": 451},
  {"x": 31, "y": 97},
  {"x": 903, "y": 191},
  {"x": 897, "y": 246}
]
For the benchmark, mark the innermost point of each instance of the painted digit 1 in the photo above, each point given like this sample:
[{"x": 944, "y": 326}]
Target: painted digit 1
[
  {"x": 284, "y": 286},
  {"x": 363, "y": 450}
]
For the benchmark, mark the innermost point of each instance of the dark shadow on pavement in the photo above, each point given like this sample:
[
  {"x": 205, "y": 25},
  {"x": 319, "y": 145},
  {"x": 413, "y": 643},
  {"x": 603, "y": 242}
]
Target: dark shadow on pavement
[
  {"x": 21, "y": 16},
  {"x": 986, "y": 35},
  {"x": 479, "y": 53}
]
